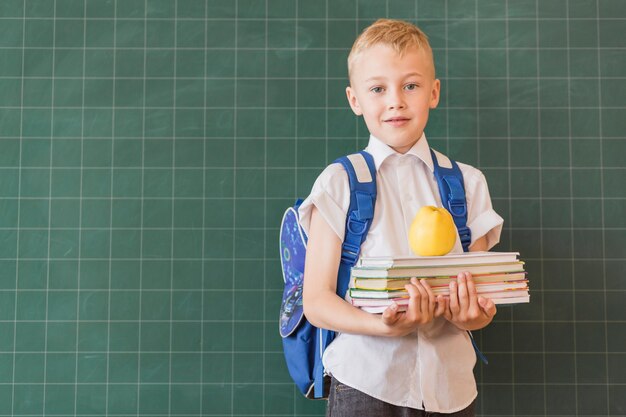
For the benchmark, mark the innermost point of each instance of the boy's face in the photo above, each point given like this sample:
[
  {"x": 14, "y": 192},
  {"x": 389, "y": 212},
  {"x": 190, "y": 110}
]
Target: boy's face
[{"x": 393, "y": 93}]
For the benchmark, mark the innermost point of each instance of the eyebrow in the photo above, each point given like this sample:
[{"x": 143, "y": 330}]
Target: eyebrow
[{"x": 410, "y": 74}]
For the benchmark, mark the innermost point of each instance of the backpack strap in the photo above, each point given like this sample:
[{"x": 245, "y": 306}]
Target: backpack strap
[
  {"x": 452, "y": 192},
  {"x": 362, "y": 178}
]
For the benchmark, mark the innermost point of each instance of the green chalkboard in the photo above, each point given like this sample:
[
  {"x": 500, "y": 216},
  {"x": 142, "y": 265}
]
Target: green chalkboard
[{"x": 149, "y": 147}]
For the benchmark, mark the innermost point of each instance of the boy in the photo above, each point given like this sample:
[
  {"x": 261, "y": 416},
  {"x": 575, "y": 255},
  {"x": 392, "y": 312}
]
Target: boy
[{"x": 398, "y": 363}]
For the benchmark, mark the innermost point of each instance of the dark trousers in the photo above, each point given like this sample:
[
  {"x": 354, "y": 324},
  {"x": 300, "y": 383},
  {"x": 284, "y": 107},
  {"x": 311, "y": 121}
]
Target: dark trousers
[{"x": 345, "y": 401}]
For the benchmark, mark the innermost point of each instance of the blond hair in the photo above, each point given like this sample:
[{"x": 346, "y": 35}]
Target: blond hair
[{"x": 397, "y": 34}]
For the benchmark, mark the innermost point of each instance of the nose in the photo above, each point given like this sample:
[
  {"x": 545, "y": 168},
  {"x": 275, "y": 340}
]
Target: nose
[{"x": 395, "y": 100}]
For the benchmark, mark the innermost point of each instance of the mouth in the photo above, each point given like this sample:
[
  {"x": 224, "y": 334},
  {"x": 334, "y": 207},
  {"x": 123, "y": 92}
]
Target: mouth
[{"x": 397, "y": 121}]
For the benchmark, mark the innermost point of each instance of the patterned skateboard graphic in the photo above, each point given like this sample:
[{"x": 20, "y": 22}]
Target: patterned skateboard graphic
[{"x": 292, "y": 255}]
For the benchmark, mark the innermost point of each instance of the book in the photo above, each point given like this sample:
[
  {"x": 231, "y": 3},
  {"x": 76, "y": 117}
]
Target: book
[
  {"x": 496, "y": 295},
  {"x": 403, "y": 304},
  {"x": 466, "y": 258},
  {"x": 378, "y": 294},
  {"x": 379, "y": 281},
  {"x": 399, "y": 283},
  {"x": 437, "y": 271},
  {"x": 490, "y": 287}
]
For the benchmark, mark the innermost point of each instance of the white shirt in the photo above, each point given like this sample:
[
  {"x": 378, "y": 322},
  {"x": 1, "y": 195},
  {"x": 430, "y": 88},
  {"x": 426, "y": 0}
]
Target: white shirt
[{"x": 432, "y": 368}]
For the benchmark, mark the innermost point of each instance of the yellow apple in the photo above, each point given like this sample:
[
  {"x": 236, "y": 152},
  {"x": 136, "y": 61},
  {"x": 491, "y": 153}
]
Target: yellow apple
[{"x": 432, "y": 232}]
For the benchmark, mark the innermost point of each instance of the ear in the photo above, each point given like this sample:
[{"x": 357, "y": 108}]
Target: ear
[
  {"x": 435, "y": 93},
  {"x": 354, "y": 103}
]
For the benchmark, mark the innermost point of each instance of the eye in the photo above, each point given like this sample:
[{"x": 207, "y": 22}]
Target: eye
[
  {"x": 411, "y": 86},
  {"x": 376, "y": 90}
]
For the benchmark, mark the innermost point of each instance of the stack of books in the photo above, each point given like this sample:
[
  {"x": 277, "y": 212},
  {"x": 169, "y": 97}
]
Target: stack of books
[{"x": 377, "y": 282}]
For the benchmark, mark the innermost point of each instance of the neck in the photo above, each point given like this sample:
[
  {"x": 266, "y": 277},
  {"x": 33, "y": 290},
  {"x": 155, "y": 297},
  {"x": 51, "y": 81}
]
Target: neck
[{"x": 404, "y": 149}]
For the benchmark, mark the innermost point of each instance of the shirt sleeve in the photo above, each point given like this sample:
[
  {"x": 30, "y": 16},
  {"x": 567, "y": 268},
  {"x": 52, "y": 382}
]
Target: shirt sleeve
[
  {"x": 482, "y": 219},
  {"x": 331, "y": 195}
]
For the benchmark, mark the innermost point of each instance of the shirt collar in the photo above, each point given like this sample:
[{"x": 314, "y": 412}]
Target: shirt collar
[{"x": 381, "y": 151}]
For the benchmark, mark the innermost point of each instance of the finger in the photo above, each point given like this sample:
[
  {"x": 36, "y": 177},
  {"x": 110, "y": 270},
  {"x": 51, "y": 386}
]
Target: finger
[
  {"x": 390, "y": 315},
  {"x": 471, "y": 292},
  {"x": 423, "y": 295},
  {"x": 441, "y": 306},
  {"x": 418, "y": 285},
  {"x": 431, "y": 296},
  {"x": 446, "y": 310},
  {"x": 462, "y": 292},
  {"x": 414, "y": 300},
  {"x": 488, "y": 306},
  {"x": 453, "y": 300}
]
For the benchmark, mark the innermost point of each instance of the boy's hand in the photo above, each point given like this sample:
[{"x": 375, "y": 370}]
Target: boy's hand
[
  {"x": 422, "y": 309},
  {"x": 466, "y": 310}
]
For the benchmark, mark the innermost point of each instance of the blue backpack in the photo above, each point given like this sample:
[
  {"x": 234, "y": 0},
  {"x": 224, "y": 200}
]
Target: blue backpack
[{"x": 303, "y": 343}]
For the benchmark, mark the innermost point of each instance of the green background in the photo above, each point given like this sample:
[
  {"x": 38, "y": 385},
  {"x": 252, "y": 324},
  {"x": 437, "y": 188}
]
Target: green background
[{"x": 149, "y": 147}]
